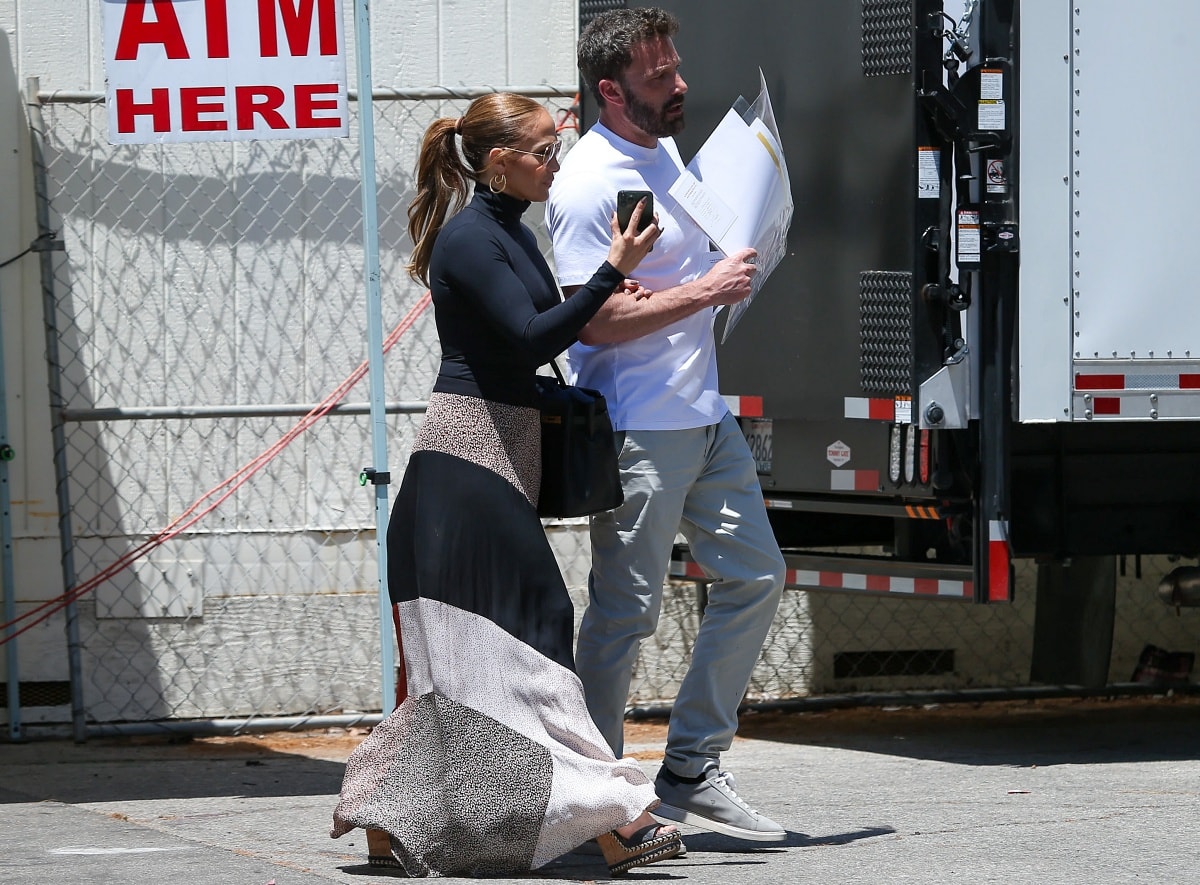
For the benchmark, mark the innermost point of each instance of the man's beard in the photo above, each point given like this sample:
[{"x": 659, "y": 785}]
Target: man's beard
[{"x": 653, "y": 121}]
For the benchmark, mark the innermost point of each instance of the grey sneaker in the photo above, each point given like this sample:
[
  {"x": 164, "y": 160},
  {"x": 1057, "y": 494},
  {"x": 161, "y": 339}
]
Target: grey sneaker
[{"x": 712, "y": 804}]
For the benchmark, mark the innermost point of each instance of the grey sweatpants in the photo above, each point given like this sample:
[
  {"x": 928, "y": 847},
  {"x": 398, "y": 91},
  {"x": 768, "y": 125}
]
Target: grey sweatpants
[{"x": 700, "y": 482}]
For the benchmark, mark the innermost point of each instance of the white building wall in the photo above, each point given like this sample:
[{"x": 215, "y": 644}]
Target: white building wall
[
  {"x": 37, "y": 574},
  {"x": 415, "y": 43}
]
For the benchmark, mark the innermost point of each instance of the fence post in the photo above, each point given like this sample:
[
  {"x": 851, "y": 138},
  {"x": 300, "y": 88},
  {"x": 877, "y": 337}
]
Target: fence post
[
  {"x": 380, "y": 475},
  {"x": 37, "y": 127},
  {"x": 12, "y": 659}
]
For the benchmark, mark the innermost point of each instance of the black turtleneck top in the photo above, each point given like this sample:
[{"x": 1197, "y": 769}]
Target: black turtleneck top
[{"x": 498, "y": 308}]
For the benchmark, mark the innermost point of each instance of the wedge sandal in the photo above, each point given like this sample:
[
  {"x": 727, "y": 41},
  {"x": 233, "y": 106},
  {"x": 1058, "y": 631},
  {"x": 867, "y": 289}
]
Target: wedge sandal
[
  {"x": 648, "y": 845},
  {"x": 379, "y": 849}
]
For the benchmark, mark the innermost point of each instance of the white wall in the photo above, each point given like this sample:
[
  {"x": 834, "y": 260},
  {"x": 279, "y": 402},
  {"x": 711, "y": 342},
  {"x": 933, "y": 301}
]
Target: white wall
[
  {"x": 415, "y": 43},
  {"x": 36, "y": 558}
]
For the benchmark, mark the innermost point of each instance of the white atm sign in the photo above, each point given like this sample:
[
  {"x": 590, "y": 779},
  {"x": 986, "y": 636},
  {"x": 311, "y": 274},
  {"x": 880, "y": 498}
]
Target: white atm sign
[{"x": 224, "y": 70}]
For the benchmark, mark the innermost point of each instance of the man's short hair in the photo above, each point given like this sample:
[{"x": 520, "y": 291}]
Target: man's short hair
[{"x": 605, "y": 47}]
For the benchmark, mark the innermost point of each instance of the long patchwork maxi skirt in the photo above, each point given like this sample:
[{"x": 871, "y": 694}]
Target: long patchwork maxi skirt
[{"x": 492, "y": 764}]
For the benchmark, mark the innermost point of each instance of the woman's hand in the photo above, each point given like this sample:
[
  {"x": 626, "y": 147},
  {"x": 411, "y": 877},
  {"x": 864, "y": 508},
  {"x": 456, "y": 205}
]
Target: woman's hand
[
  {"x": 628, "y": 246},
  {"x": 634, "y": 288}
]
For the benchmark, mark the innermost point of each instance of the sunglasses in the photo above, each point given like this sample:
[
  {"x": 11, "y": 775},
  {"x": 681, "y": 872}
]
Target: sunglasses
[{"x": 546, "y": 154}]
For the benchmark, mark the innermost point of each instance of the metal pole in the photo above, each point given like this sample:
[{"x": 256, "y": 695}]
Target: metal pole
[
  {"x": 12, "y": 662},
  {"x": 286, "y": 410},
  {"x": 379, "y": 473},
  {"x": 250, "y": 725},
  {"x": 37, "y": 126}
]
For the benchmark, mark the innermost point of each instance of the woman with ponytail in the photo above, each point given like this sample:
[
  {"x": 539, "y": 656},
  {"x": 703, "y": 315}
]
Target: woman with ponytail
[{"x": 492, "y": 764}]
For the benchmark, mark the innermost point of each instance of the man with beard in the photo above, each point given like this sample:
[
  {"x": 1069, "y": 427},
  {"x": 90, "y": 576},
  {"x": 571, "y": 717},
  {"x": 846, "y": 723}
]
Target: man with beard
[{"x": 685, "y": 465}]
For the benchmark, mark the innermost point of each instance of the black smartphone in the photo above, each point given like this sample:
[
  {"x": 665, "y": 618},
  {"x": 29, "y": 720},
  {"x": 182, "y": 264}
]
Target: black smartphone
[{"x": 626, "y": 200}]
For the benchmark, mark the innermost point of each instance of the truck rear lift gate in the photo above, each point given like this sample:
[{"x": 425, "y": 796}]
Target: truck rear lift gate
[
  {"x": 855, "y": 352},
  {"x": 900, "y": 420}
]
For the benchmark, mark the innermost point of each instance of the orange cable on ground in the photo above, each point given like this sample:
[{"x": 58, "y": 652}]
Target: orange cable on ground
[{"x": 224, "y": 490}]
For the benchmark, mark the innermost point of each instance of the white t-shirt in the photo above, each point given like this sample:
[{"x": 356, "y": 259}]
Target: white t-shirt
[{"x": 666, "y": 380}]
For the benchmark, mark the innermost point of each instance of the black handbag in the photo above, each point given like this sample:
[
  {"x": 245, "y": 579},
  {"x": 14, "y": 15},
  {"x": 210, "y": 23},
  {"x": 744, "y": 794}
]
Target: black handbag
[{"x": 579, "y": 458}]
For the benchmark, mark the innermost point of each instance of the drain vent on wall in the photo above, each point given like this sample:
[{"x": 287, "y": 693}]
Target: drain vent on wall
[
  {"x": 918, "y": 662},
  {"x": 39, "y": 694}
]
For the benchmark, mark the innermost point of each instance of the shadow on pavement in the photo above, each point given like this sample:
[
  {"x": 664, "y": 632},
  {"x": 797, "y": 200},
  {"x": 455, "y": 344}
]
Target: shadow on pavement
[
  {"x": 1019, "y": 733},
  {"x": 111, "y": 771},
  {"x": 715, "y": 842}
]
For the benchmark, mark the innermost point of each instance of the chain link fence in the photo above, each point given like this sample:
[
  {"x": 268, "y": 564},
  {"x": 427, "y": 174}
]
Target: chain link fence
[
  {"x": 210, "y": 297},
  {"x": 841, "y": 648}
]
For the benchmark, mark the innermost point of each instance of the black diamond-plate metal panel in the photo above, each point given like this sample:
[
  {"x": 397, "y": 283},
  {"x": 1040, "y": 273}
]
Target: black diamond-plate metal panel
[
  {"x": 887, "y": 37},
  {"x": 589, "y": 9},
  {"x": 885, "y": 329}
]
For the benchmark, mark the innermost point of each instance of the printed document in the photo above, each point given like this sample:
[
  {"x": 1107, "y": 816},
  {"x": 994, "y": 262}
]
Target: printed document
[{"x": 738, "y": 192}]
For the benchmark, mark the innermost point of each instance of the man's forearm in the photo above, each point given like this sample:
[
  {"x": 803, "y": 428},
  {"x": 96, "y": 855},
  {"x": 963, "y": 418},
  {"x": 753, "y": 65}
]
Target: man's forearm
[{"x": 624, "y": 317}]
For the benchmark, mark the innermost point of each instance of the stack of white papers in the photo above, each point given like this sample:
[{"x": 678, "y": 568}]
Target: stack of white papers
[{"x": 738, "y": 192}]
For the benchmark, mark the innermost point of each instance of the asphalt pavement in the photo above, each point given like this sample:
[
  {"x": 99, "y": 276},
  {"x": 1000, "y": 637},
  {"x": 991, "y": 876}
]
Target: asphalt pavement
[{"x": 1041, "y": 791}]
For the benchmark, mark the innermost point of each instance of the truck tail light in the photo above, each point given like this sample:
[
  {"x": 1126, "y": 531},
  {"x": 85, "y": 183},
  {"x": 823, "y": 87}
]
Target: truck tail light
[
  {"x": 894, "y": 454},
  {"x": 910, "y": 453}
]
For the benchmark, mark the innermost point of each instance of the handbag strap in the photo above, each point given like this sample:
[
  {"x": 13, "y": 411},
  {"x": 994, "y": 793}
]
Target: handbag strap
[{"x": 592, "y": 414}]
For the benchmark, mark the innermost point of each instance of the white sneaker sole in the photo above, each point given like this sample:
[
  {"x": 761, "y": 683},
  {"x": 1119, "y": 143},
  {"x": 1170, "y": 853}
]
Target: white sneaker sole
[{"x": 679, "y": 816}]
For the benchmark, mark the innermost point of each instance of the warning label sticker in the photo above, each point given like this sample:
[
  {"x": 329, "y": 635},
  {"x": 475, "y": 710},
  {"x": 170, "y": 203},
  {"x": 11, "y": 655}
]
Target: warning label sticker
[
  {"x": 968, "y": 236},
  {"x": 991, "y": 115},
  {"x": 929, "y": 180},
  {"x": 991, "y": 84},
  {"x": 997, "y": 183},
  {"x": 838, "y": 453}
]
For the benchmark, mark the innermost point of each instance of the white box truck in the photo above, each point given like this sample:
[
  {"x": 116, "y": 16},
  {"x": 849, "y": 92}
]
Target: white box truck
[{"x": 984, "y": 342}]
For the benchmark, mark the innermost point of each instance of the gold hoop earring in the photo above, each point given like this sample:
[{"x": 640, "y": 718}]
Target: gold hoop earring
[{"x": 497, "y": 184}]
